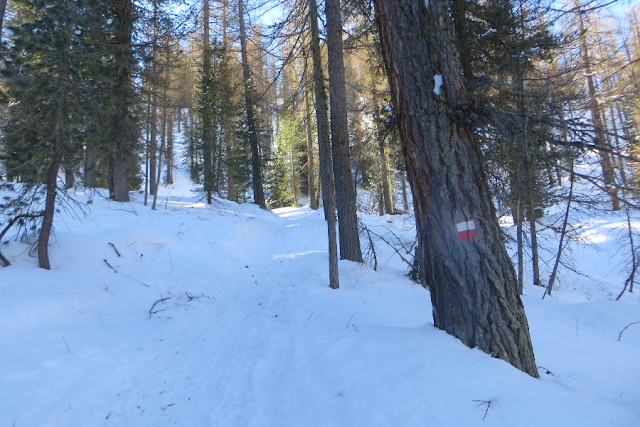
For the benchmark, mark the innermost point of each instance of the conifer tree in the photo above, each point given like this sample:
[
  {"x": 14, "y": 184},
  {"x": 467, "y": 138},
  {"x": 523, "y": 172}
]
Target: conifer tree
[{"x": 51, "y": 90}]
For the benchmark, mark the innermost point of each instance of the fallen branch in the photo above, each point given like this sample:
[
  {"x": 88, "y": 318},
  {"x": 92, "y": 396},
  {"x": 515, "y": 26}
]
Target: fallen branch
[
  {"x": 5, "y": 261},
  {"x": 107, "y": 262},
  {"x": 154, "y": 305},
  {"x": 548, "y": 372},
  {"x": 349, "y": 322},
  {"x": 114, "y": 248},
  {"x": 485, "y": 402},
  {"x": 625, "y": 328}
]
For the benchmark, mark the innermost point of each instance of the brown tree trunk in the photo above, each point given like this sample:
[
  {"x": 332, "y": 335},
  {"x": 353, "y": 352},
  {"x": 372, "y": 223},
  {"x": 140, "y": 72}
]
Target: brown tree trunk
[
  {"x": 254, "y": 138},
  {"x": 324, "y": 147},
  {"x": 122, "y": 123},
  {"x": 153, "y": 150},
  {"x": 608, "y": 174},
  {"x": 51, "y": 182},
  {"x": 91, "y": 164},
  {"x": 170, "y": 149},
  {"x": 386, "y": 193},
  {"x": 69, "y": 177},
  {"x": 472, "y": 281},
  {"x": 311, "y": 173},
  {"x": 345, "y": 189}
]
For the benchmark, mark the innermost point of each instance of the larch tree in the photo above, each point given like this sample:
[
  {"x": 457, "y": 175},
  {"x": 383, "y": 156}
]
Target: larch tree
[
  {"x": 345, "y": 188},
  {"x": 461, "y": 249}
]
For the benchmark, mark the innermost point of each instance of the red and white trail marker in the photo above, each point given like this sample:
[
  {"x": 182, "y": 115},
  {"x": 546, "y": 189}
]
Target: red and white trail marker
[{"x": 467, "y": 230}]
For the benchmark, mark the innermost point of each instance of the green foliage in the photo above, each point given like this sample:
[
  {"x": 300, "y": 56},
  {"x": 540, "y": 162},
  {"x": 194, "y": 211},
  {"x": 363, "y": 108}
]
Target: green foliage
[
  {"x": 216, "y": 110},
  {"x": 50, "y": 86},
  {"x": 285, "y": 173}
]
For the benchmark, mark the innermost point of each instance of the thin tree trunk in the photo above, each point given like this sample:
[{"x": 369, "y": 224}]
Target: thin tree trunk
[
  {"x": 51, "y": 182},
  {"x": 386, "y": 194},
  {"x": 153, "y": 150},
  {"x": 324, "y": 147},
  {"x": 91, "y": 164},
  {"x": 563, "y": 233},
  {"x": 472, "y": 281},
  {"x": 254, "y": 139},
  {"x": 313, "y": 203},
  {"x": 345, "y": 189},
  {"x": 170, "y": 149},
  {"x": 405, "y": 198},
  {"x": 608, "y": 173}
]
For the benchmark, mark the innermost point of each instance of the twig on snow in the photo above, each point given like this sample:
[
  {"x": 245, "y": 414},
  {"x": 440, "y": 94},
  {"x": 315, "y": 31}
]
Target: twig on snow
[
  {"x": 548, "y": 372},
  {"x": 110, "y": 266},
  {"x": 485, "y": 402},
  {"x": 625, "y": 328},
  {"x": 65, "y": 343},
  {"x": 114, "y": 248},
  {"x": 349, "y": 322},
  {"x": 154, "y": 305}
]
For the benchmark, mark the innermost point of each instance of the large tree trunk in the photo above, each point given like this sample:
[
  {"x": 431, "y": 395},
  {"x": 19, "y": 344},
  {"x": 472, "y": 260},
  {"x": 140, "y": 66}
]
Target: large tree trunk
[
  {"x": 254, "y": 138},
  {"x": 51, "y": 180},
  {"x": 345, "y": 189},
  {"x": 324, "y": 147},
  {"x": 122, "y": 124},
  {"x": 472, "y": 280}
]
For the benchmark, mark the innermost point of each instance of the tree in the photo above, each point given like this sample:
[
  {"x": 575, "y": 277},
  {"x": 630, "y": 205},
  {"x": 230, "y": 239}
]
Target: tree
[
  {"x": 51, "y": 91},
  {"x": 124, "y": 125},
  {"x": 324, "y": 147},
  {"x": 252, "y": 127},
  {"x": 467, "y": 269},
  {"x": 345, "y": 189}
]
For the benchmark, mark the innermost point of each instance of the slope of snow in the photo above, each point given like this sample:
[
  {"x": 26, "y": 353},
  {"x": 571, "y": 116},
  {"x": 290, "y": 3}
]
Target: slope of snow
[{"x": 252, "y": 335}]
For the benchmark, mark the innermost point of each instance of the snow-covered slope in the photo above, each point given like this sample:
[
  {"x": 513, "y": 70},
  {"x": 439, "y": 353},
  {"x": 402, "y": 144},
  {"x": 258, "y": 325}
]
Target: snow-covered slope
[{"x": 250, "y": 334}]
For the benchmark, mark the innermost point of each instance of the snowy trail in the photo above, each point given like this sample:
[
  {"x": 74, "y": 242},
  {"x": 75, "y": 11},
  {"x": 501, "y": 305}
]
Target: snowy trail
[{"x": 253, "y": 335}]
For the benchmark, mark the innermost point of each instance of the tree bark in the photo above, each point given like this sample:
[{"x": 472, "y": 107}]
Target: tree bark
[
  {"x": 311, "y": 182},
  {"x": 324, "y": 147},
  {"x": 472, "y": 280},
  {"x": 608, "y": 173},
  {"x": 122, "y": 124},
  {"x": 254, "y": 139},
  {"x": 91, "y": 164},
  {"x": 386, "y": 193},
  {"x": 51, "y": 182},
  {"x": 345, "y": 189}
]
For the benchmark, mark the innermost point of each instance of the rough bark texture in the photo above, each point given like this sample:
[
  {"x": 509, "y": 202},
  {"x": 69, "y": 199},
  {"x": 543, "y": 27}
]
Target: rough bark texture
[
  {"x": 51, "y": 180},
  {"x": 254, "y": 141},
  {"x": 122, "y": 137},
  {"x": 91, "y": 164},
  {"x": 324, "y": 149},
  {"x": 345, "y": 189},
  {"x": 311, "y": 182},
  {"x": 473, "y": 283}
]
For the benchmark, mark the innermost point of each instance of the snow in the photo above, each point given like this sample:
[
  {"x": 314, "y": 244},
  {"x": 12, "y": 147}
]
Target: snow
[
  {"x": 252, "y": 335},
  {"x": 438, "y": 84}
]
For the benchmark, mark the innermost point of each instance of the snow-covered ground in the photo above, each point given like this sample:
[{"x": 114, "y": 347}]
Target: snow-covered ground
[{"x": 250, "y": 334}]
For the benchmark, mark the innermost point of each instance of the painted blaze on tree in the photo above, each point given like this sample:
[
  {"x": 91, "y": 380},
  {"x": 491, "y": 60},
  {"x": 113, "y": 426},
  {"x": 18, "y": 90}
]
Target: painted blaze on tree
[{"x": 466, "y": 267}]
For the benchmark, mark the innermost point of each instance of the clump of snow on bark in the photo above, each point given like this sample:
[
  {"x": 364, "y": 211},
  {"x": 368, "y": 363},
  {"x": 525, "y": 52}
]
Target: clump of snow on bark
[{"x": 438, "y": 80}]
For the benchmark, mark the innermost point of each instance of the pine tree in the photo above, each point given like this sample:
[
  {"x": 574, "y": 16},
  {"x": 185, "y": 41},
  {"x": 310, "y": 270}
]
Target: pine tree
[{"x": 52, "y": 90}]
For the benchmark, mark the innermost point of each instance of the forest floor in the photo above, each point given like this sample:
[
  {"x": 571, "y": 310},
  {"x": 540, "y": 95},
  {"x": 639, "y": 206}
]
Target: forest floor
[{"x": 248, "y": 333}]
